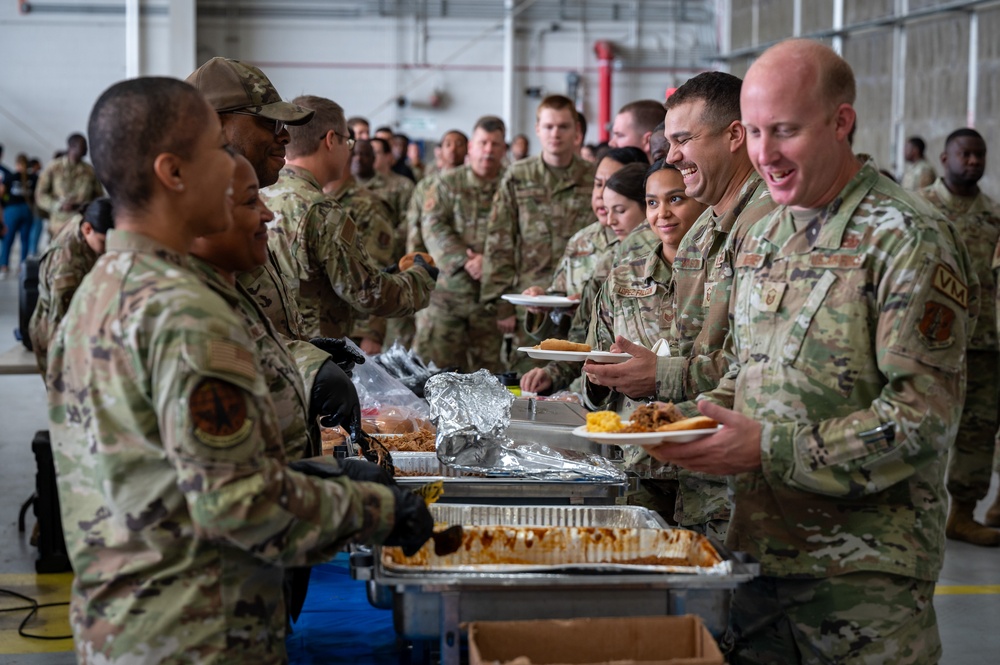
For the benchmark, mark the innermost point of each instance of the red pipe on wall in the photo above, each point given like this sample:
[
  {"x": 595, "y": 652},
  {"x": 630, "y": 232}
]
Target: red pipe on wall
[{"x": 605, "y": 54}]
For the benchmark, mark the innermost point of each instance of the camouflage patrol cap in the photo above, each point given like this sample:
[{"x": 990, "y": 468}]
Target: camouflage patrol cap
[{"x": 231, "y": 85}]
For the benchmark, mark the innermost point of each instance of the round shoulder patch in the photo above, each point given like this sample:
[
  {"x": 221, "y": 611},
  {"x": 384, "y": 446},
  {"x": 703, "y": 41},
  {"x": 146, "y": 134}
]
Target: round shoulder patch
[{"x": 219, "y": 414}]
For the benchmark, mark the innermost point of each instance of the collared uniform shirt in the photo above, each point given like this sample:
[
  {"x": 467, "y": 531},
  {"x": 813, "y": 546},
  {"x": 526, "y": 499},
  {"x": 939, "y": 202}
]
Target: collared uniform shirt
[
  {"x": 703, "y": 279},
  {"x": 374, "y": 220},
  {"x": 173, "y": 473},
  {"x": 535, "y": 213},
  {"x": 326, "y": 260},
  {"x": 848, "y": 343}
]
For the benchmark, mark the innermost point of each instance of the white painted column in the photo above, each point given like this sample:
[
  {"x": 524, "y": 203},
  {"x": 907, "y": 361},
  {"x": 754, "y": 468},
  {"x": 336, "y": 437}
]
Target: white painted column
[
  {"x": 838, "y": 23},
  {"x": 132, "y": 38},
  {"x": 509, "y": 113},
  {"x": 973, "y": 68},
  {"x": 899, "y": 88},
  {"x": 182, "y": 28}
]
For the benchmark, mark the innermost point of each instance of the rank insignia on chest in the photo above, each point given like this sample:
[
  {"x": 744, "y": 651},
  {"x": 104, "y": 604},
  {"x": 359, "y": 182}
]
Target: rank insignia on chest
[
  {"x": 632, "y": 292},
  {"x": 936, "y": 324},
  {"x": 218, "y": 412},
  {"x": 767, "y": 298}
]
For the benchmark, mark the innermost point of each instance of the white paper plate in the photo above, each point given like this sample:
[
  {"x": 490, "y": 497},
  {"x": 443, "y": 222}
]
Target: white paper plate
[
  {"x": 539, "y": 301},
  {"x": 605, "y": 357},
  {"x": 645, "y": 438}
]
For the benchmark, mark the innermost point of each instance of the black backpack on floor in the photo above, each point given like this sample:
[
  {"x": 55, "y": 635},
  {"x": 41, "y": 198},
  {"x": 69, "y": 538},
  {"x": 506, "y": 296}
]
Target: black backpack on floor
[{"x": 27, "y": 297}]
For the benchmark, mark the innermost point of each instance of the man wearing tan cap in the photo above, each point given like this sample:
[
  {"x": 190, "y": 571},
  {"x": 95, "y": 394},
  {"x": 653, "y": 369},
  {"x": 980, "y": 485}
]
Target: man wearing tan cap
[
  {"x": 255, "y": 121},
  {"x": 253, "y": 115}
]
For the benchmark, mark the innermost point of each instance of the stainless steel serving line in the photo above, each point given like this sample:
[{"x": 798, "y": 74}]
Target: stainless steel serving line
[
  {"x": 431, "y": 605},
  {"x": 464, "y": 488}
]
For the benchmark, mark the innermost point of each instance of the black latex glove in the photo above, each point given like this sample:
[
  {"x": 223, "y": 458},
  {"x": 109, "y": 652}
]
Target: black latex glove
[
  {"x": 342, "y": 353},
  {"x": 391, "y": 269},
  {"x": 431, "y": 270},
  {"x": 356, "y": 468},
  {"x": 334, "y": 397},
  {"x": 414, "y": 523}
]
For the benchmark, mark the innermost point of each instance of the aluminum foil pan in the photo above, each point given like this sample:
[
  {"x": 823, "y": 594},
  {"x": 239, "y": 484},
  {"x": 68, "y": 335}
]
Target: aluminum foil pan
[
  {"x": 472, "y": 414},
  {"x": 621, "y": 517},
  {"x": 499, "y": 549}
]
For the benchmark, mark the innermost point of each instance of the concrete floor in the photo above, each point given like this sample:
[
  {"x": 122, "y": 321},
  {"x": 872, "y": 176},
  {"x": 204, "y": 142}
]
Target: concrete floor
[{"x": 968, "y": 600}]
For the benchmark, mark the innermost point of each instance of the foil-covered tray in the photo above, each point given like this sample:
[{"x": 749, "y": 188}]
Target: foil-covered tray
[
  {"x": 513, "y": 549},
  {"x": 426, "y": 466}
]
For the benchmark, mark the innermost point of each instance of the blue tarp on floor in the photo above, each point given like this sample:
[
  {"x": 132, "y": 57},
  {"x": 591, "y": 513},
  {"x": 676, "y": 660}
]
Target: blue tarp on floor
[{"x": 339, "y": 625}]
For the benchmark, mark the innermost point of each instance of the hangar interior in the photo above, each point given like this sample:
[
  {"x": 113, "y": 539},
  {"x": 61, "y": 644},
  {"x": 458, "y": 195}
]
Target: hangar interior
[{"x": 924, "y": 67}]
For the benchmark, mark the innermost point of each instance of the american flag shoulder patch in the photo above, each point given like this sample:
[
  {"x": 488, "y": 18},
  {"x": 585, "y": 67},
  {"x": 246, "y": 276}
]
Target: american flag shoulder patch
[{"x": 228, "y": 357}]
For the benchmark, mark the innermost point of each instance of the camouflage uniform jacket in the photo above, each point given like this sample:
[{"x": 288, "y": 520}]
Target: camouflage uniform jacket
[
  {"x": 396, "y": 190},
  {"x": 272, "y": 292},
  {"x": 580, "y": 258},
  {"x": 588, "y": 247},
  {"x": 977, "y": 222},
  {"x": 635, "y": 302},
  {"x": 535, "y": 213},
  {"x": 326, "y": 257},
  {"x": 414, "y": 211},
  {"x": 635, "y": 245},
  {"x": 918, "y": 175},
  {"x": 180, "y": 511},
  {"x": 456, "y": 210},
  {"x": 848, "y": 343},
  {"x": 703, "y": 281},
  {"x": 280, "y": 369},
  {"x": 63, "y": 181},
  {"x": 373, "y": 217},
  {"x": 63, "y": 266}
]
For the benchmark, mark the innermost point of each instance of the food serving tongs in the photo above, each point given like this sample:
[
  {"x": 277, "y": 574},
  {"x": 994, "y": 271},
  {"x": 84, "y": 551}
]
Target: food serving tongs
[{"x": 448, "y": 540}]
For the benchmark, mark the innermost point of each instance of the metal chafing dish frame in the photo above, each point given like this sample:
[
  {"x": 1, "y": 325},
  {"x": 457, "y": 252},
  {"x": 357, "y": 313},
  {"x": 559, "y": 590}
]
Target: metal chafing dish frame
[
  {"x": 464, "y": 488},
  {"x": 430, "y": 606}
]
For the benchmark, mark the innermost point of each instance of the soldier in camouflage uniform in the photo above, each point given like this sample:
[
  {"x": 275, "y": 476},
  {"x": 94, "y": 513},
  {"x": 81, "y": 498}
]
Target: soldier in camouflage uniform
[
  {"x": 541, "y": 202},
  {"x": 976, "y": 218},
  {"x": 69, "y": 257},
  {"x": 719, "y": 174},
  {"x": 66, "y": 184},
  {"x": 635, "y": 303},
  {"x": 919, "y": 173},
  {"x": 586, "y": 263},
  {"x": 274, "y": 292},
  {"x": 852, "y": 304},
  {"x": 373, "y": 217},
  {"x": 217, "y": 258},
  {"x": 453, "y": 150},
  {"x": 336, "y": 275},
  {"x": 180, "y": 513},
  {"x": 456, "y": 330},
  {"x": 394, "y": 188},
  {"x": 255, "y": 120}
]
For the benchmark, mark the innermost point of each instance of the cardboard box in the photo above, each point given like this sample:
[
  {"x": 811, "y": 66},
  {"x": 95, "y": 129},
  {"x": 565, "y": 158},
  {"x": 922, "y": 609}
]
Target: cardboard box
[{"x": 664, "y": 640}]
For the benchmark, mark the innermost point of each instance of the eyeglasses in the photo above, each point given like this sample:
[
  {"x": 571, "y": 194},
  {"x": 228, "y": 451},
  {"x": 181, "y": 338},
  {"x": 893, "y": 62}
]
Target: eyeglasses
[
  {"x": 279, "y": 126},
  {"x": 347, "y": 139}
]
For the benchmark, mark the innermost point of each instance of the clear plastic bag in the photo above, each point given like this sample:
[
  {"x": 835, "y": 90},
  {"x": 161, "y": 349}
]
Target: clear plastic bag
[{"x": 387, "y": 405}]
